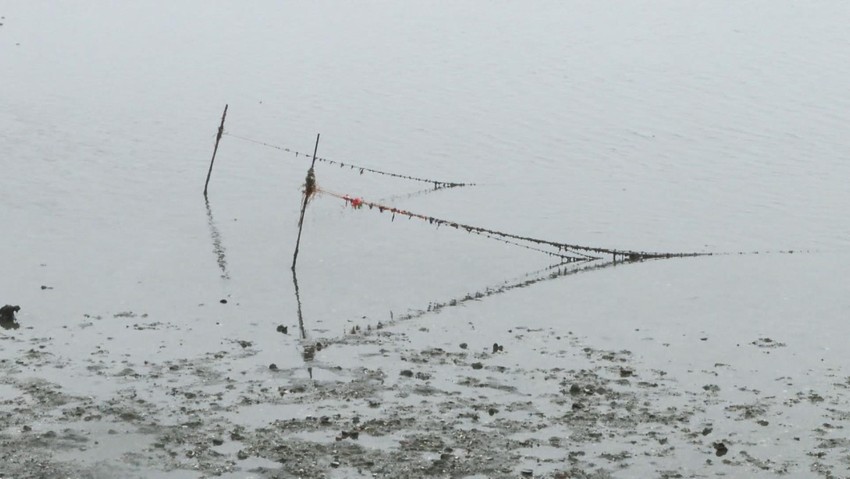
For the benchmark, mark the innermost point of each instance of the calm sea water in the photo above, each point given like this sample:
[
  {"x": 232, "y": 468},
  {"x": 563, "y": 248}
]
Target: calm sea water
[{"x": 664, "y": 126}]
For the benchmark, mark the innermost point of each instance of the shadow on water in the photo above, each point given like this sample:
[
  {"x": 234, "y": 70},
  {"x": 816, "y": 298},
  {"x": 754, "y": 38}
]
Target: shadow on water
[
  {"x": 9, "y": 324},
  {"x": 555, "y": 271},
  {"x": 309, "y": 352},
  {"x": 218, "y": 249}
]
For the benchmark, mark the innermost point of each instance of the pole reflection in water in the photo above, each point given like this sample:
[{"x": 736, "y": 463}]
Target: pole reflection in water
[
  {"x": 309, "y": 351},
  {"x": 218, "y": 248}
]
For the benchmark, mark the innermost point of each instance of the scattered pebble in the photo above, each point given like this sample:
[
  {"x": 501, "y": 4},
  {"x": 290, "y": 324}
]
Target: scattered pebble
[
  {"x": 477, "y": 365},
  {"x": 720, "y": 449}
]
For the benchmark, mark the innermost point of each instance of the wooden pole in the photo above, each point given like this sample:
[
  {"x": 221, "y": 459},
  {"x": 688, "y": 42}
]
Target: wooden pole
[
  {"x": 309, "y": 189},
  {"x": 217, "y": 139}
]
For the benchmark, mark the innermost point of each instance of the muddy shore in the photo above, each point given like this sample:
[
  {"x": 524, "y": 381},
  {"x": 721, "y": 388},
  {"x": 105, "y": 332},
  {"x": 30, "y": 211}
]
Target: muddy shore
[{"x": 376, "y": 404}]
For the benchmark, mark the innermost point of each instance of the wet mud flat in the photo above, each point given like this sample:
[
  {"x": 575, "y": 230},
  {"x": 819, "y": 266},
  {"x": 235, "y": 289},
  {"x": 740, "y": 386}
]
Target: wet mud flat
[{"x": 407, "y": 400}]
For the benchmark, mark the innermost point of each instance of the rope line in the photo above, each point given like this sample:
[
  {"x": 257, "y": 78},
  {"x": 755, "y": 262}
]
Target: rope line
[
  {"x": 363, "y": 169},
  {"x": 586, "y": 252},
  {"x": 563, "y": 257},
  {"x": 407, "y": 196}
]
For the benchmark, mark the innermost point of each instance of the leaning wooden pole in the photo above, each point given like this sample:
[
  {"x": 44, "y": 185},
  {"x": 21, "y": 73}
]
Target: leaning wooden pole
[
  {"x": 309, "y": 190},
  {"x": 215, "y": 150}
]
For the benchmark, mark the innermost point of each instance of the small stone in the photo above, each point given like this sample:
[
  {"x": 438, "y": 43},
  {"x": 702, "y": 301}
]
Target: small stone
[
  {"x": 762, "y": 422},
  {"x": 492, "y": 411},
  {"x": 477, "y": 366},
  {"x": 7, "y": 313},
  {"x": 707, "y": 431},
  {"x": 283, "y": 329},
  {"x": 273, "y": 367},
  {"x": 217, "y": 441},
  {"x": 463, "y": 345},
  {"x": 624, "y": 373},
  {"x": 223, "y": 301},
  {"x": 720, "y": 449},
  {"x": 354, "y": 434},
  {"x": 334, "y": 464},
  {"x": 575, "y": 389},
  {"x": 407, "y": 373},
  {"x": 527, "y": 473},
  {"x": 241, "y": 455}
]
